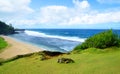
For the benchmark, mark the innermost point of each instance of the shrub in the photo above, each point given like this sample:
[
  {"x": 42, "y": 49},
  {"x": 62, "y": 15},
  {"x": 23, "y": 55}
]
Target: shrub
[
  {"x": 3, "y": 43},
  {"x": 1, "y": 61},
  {"x": 6, "y": 29},
  {"x": 101, "y": 40}
]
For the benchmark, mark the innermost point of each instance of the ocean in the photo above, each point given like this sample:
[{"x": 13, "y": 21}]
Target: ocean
[{"x": 62, "y": 40}]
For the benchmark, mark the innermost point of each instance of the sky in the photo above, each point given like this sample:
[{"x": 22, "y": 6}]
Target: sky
[{"x": 75, "y": 14}]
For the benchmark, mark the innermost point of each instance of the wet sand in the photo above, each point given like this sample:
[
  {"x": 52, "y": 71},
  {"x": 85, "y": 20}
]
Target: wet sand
[{"x": 16, "y": 47}]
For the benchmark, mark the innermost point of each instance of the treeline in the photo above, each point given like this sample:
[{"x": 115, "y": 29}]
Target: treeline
[{"x": 6, "y": 29}]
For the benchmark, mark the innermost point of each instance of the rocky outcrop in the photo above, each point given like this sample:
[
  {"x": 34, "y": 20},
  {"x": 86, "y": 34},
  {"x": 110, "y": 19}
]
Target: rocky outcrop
[
  {"x": 49, "y": 54},
  {"x": 65, "y": 60}
]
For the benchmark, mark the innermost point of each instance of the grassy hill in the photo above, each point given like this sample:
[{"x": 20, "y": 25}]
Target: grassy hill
[
  {"x": 3, "y": 44},
  {"x": 107, "y": 61}
]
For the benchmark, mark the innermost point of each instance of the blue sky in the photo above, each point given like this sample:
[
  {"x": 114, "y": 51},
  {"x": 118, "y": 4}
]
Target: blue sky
[{"x": 83, "y": 14}]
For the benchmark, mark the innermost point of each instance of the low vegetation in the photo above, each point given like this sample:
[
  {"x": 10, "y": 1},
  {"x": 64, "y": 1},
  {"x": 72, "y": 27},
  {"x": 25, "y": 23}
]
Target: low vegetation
[
  {"x": 85, "y": 63},
  {"x": 44, "y": 55},
  {"x": 102, "y": 40},
  {"x": 3, "y": 43}
]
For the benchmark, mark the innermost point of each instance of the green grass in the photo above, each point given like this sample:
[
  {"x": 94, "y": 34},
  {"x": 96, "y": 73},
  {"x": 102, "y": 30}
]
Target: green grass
[
  {"x": 87, "y": 62},
  {"x": 3, "y": 44}
]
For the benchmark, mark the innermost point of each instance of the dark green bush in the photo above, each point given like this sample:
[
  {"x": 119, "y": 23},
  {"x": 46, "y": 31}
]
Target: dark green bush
[
  {"x": 101, "y": 40},
  {"x": 6, "y": 29}
]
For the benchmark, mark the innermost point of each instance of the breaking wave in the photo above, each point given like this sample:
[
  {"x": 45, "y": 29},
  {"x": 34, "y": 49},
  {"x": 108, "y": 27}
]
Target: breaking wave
[{"x": 40, "y": 34}]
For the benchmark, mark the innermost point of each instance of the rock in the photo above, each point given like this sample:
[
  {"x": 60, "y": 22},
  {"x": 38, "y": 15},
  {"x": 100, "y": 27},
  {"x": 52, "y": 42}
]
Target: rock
[
  {"x": 45, "y": 55},
  {"x": 0, "y": 63},
  {"x": 65, "y": 60},
  {"x": 51, "y": 53}
]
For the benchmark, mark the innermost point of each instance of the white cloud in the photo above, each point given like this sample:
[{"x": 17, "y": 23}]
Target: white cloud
[
  {"x": 81, "y": 13},
  {"x": 81, "y": 5},
  {"x": 53, "y": 14},
  {"x": 23, "y": 22},
  {"x": 112, "y": 17},
  {"x": 109, "y": 1},
  {"x": 63, "y": 15},
  {"x": 8, "y": 6},
  {"x": 16, "y": 11}
]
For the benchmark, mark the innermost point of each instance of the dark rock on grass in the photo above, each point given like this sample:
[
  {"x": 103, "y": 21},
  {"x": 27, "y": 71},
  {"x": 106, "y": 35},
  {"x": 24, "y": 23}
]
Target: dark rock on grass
[
  {"x": 49, "y": 54},
  {"x": 1, "y": 63},
  {"x": 65, "y": 60}
]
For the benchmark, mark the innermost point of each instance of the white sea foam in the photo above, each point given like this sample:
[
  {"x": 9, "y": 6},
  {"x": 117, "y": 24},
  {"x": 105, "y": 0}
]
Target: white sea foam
[{"x": 39, "y": 34}]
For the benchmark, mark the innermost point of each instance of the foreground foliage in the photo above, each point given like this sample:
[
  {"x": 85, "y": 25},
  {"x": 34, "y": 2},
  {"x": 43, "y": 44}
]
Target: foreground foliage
[
  {"x": 3, "y": 43},
  {"x": 102, "y": 40}
]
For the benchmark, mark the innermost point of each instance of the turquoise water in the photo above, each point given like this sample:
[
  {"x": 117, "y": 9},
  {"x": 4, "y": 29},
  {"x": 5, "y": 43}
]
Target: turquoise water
[{"x": 63, "y": 40}]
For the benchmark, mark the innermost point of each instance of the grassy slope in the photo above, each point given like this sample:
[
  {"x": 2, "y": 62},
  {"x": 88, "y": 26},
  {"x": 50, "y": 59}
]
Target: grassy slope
[
  {"x": 85, "y": 63},
  {"x": 3, "y": 43}
]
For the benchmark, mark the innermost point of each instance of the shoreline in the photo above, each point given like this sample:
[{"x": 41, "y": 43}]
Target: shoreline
[
  {"x": 16, "y": 47},
  {"x": 25, "y": 42}
]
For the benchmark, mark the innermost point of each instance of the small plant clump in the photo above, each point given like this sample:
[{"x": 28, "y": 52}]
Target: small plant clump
[
  {"x": 3, "y": 43},
  {"x": 101, "y": 40}
]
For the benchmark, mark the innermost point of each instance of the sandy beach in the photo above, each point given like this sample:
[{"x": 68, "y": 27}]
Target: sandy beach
[{"x": 17, "y": 48}]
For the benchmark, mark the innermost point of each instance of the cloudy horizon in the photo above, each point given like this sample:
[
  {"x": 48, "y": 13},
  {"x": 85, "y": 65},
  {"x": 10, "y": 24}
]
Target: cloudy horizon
[{"x": 95, "y": 14}]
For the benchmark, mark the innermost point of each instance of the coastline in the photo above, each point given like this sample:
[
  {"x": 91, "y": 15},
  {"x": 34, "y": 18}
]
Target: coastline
[{"x": 17, "y": 48}]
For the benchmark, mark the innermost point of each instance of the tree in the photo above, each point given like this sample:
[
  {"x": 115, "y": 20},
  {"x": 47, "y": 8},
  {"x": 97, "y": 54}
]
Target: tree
[{"x": 6, "y": 29}]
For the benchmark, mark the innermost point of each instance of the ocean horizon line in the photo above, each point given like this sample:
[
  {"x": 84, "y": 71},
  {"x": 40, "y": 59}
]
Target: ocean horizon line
[{"x": 74, "y": 28}]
